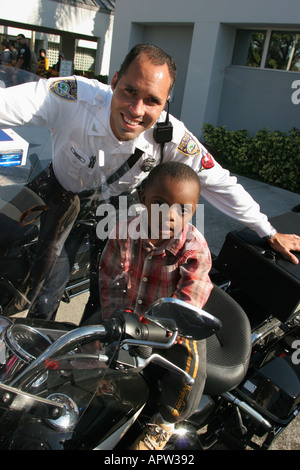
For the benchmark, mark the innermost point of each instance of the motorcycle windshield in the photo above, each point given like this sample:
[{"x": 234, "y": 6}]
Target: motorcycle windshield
[{"x": 69, "y": 396}]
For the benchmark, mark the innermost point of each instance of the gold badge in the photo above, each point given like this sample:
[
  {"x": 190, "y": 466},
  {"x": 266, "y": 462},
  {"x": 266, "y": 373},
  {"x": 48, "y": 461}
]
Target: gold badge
[
  {"x": 188, "y": 146},
  {"x": 65, "y": 89}
]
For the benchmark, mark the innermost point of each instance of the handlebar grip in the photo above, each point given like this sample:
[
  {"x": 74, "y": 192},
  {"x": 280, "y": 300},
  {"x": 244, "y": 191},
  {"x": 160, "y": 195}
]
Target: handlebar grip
[{"x": 154, "y": 333}]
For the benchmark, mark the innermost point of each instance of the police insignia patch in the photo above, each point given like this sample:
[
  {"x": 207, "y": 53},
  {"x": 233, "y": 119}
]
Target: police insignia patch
[
  {"x": 188, "y": 146},
  {"x": 64, "y": 88}
]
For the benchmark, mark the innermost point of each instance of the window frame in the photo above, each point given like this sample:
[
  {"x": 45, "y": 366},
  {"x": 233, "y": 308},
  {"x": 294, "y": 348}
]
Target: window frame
[{"x": 266, "y": 47}]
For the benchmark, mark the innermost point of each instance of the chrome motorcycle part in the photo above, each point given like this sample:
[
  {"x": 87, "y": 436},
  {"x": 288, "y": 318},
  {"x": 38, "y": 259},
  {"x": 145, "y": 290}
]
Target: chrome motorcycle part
[
  {"x": 13, "y": 399},
  {"x": 175, "y": 315},
  {"x": 27, "y": 342},
  {"x": 70, "y": 416},
  {"x": 58, "y": 347},
  {"x": 248, "y": 410},
  {"x": 20, "y": 345}
]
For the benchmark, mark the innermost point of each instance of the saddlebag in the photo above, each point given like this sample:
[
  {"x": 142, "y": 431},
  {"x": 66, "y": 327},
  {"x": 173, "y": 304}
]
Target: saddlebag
[{"x": 263, "y": 275}]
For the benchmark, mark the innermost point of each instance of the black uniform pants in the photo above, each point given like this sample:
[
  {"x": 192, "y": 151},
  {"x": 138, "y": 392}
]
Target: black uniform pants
[{"x": 56, "y": 223}]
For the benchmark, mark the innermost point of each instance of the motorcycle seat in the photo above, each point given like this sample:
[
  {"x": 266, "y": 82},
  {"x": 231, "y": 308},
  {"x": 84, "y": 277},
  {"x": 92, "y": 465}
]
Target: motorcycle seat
[{"x": 229, "y": 350}]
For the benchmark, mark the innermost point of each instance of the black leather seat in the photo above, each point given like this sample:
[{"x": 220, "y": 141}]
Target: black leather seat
[{"x": 229, "y": 350}]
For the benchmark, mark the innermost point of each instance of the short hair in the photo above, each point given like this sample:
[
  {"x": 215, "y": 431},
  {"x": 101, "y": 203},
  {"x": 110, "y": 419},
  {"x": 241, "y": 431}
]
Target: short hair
[
  {"x": 5, "y": 43},
  {"x": 21, "y": 35},
  {"x": 176, "y": 170},
  {"x": 155, "y": 54}
]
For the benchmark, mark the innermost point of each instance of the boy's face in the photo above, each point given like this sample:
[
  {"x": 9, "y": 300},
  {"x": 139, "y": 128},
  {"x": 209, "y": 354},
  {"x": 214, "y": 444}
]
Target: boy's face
[
  {"x": 177, "y": 200},
  {"x": 139, "y": 97}
]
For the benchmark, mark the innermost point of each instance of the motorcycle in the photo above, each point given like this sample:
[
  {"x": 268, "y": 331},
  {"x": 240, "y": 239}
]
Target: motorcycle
[{"x": 64, "y": 387}]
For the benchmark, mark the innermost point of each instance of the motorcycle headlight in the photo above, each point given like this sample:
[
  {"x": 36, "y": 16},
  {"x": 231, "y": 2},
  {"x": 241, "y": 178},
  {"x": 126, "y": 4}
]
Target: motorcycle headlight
[{"x": 70, "y": 415}]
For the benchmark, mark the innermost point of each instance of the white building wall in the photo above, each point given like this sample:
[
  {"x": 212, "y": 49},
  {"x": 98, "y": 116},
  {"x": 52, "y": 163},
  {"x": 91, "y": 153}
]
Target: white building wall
[{"x": 62, "y": 17}]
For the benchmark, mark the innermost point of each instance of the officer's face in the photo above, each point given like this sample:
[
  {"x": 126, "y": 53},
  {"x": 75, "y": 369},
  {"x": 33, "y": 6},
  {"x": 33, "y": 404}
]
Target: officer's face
[{"x": 139, "y": 97}]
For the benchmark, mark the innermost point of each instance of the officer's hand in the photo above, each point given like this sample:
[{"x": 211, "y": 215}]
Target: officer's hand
[{"x": 284, "y": 244}]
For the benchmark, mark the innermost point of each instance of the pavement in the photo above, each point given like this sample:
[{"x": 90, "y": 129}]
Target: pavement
[{"x": 273, "y": 201}]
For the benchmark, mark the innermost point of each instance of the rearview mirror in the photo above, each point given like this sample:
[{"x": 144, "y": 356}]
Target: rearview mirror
[{"x": 176, "y": 315}]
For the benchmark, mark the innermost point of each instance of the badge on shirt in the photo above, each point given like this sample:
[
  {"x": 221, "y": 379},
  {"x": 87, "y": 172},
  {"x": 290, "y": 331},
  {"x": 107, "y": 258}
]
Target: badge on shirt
[
  {"x": 148, "y": 164},
  {"x": 64, "y": 88},
  {"x": 207, "y": 162},
  {"x": 188, "y": 146}
]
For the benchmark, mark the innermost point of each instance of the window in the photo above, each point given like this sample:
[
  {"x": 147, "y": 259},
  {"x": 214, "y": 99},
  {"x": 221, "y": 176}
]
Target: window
[
  {"x": 249, "y": 48},
  {"x": 84, "y": 59},
  {"x": 268, "y": 49},
  {"x": 284, "y": 51},
  {"x": 52, "y": 53}
]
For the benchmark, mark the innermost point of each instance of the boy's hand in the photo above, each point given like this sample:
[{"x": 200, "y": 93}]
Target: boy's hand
[{"x": 179, "y": 340}]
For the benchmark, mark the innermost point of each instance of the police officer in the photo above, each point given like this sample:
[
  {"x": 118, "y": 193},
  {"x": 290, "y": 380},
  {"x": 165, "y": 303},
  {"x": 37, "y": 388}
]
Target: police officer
[
  {"x": 96, "y": 128},
  {"x": 24, "y": 54}
]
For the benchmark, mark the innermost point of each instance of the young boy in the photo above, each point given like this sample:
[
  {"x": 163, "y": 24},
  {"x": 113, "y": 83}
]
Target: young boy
[{"x": 170, "y": 258}]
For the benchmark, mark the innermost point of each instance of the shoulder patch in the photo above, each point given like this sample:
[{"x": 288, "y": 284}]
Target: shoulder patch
[
  {"x": 188, "y": 146},
  {"x": 207, "y": 162},
  {"x": 64, "y": 88}
]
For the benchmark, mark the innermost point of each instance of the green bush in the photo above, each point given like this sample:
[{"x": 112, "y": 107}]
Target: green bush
[{"x": 269, "y": 156}]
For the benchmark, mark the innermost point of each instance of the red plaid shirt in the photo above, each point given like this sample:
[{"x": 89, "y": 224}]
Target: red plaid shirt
[{"x": 134, "y": 273}]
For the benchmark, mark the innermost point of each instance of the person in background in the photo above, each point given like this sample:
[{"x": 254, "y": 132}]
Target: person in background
[
  {"x": 43, "y": 64},
  {"x": 13, "y": 52},
  {"x": 5, "y": 56},
  {"x": 24, "y": 55},
  {"x": 56, "y": 67}
]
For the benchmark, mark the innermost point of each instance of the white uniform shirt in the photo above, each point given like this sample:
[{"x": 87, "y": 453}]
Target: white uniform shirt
[{"x": 85, "y": 152}]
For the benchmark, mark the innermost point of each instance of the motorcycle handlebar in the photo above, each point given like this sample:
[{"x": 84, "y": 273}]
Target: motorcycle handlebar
[
  {"x": 135, "y": 329},
  {"x": 126, "y": 325},
  {"x": 152, "y": 332}
]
